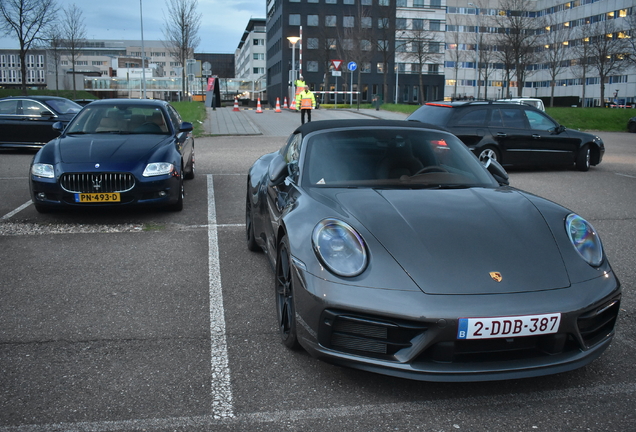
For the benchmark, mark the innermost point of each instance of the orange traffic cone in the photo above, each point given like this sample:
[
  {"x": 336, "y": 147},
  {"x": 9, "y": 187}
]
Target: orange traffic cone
[
  {"x": 236, "y": 108},
  {"x": 285, "y": 103},
  {"x": 293, "y": 105},
  {"x": 277, "y": 105},
  {"x": 258, "y": 106}
]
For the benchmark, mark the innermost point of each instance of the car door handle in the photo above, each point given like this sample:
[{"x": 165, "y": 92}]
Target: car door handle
[
  {"x": 501, "y": 135},
  {"x": 535, "y": 136}
]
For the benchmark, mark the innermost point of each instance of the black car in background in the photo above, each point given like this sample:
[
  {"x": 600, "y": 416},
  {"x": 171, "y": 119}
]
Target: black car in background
[
  {"x": 26, "y": 121},
  {"x": 513, "y": 134}
]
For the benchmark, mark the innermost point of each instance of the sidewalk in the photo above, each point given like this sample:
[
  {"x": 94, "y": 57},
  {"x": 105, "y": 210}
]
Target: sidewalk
[{"x": 226, "y": 121}]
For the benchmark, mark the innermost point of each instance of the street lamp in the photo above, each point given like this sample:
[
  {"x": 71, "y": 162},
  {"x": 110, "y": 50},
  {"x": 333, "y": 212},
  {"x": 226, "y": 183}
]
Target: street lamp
[
  {"x": 397, "y": 73},
  {"x": 293, "y": 40},
  {"x": 143, "y": 53}
]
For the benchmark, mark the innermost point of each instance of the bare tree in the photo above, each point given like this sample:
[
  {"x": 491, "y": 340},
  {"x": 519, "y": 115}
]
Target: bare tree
[
  {"x": 554, "y": 52},
  {"x": 607, "y": 52},
  {"x": 73, "y": 37},
  {"x": 519, "y": 36},
  {"x": 27, "y": 20},
  {"x": 453, "y": 43},
  {"x": 631, "y": 41},
  {"x": 581, "y": 60},
  {"x": 54, "y": 55},
  {"x": 182, "y": 22},
  {"x": 424, "y": 50}
]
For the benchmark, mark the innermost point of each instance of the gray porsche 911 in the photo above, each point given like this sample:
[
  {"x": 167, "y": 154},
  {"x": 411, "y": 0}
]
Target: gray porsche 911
[{"x": 396, "y": 251}]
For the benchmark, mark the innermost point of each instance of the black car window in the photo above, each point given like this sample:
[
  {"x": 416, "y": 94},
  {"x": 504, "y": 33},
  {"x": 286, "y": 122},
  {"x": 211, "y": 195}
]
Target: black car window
[
  {"x": 433, "y": 114},
  {"x": 9, "y": 107},
  {"x": 495, "y": 119},
  {"x": 538, "y": 121},
  {"x": 474, "y": 117},
  {"x": 64, "y": 106},
  {"x": 174, "y": 117},
  {"x": 33, "y": 108},
  {"x": 513, "y": 118}
]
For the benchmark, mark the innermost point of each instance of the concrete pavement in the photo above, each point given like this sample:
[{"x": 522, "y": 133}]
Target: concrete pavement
[{"x": 225, "y": 121}]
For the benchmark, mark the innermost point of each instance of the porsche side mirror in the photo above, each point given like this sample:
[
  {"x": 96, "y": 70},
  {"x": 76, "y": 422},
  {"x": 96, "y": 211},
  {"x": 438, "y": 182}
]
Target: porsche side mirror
[
  {"x": 277, "y": 170},
  {"x": 58, "y": 126},
  {"x": 497, "y": 171}
]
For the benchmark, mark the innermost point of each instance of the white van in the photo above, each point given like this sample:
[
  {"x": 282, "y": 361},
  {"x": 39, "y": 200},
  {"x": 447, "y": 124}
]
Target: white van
[{"x": 537, "y": 103}]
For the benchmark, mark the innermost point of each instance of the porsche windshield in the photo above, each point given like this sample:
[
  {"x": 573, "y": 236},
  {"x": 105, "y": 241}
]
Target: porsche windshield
[
  {"x": 119, "y": 119},
  {"x": 399, "y": 157}
]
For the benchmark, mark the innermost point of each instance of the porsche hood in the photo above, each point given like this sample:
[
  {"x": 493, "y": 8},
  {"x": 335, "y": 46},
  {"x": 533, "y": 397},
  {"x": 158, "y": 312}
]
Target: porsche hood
[{"x": 468, "y": 241}]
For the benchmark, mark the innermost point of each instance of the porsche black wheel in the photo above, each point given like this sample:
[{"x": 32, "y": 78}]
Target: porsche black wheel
[
  {"x": 249, "y": 227},
  {"x": 583, "y": 158},
  {"x": 285, "y": 309}
]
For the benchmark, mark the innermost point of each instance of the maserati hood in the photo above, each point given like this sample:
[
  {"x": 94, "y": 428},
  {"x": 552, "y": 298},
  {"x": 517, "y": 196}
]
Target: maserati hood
[
  {"x": 468, "y": 241},
  {"x": 105, "y": 148}
]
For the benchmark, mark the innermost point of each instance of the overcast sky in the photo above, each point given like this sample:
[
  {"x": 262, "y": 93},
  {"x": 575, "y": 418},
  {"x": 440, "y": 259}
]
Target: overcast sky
[{"x": 222, "y": 22}]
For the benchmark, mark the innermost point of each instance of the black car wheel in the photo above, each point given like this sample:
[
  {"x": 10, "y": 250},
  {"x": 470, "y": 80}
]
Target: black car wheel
[
  {"x": 285, "y": 309},
  {"x": 632, "y": 127},
  {"x": 249, "y": 227},
  {"x": 488, "y": 153},
  {"x": 178, "y": 206},
  {"x": 583, "y": 158},
  {"x": 190, "y": 173}
]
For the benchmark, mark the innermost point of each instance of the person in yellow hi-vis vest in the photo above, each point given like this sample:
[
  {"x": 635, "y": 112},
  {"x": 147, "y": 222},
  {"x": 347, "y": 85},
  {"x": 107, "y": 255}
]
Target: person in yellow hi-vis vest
[{"x": 305, "y": 102}]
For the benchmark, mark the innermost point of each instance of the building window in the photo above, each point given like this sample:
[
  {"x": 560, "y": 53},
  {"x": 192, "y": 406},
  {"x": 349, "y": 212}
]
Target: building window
[
  {"x": 331, "y": 1},
  {"x": 348, "y": 21},
  {"x": 349, "y": 2},
  {"x": 418, "y": 24},
  {"x": 312, "y": 43},
  {"x": 436, "y": 3},
  {"x": 401, "y": 3},
  {"x": 312, "y": 66},
  {"x": 366, "y": 22},
  {"x": 383, "y": 23},
  {"x": 258, "y": 70},
  {"x": 313, "y": 20},
  {"x": 366, "y": 2},
  {"x": 435, "y": 25},
  {"x": 379, "y": 67},
  {"x": 330, "y": 20},
  {"x": 400, "y": 23},
  {"x": 332, "y": 44},
  {"x": 365, "y": 45},
  {"x": 400, "y": 46},
  {"x": 383, "y": 2},
  {"x": 418, "y": 3},
  {"x": 294, "y": 19},
  {"x": 366, "y": 67}
]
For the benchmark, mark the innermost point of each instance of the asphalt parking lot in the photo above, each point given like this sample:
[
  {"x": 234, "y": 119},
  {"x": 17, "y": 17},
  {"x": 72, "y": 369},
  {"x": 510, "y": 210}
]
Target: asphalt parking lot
[{"x": 160, "y": 321}]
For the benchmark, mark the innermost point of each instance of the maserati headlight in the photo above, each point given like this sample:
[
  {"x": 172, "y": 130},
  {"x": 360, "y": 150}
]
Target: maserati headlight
[
  {"x": 339, "y": 247},
  {"x": 584, "y": 239},
  {"x": 158, "y": 168},
  {"x": 43, "y": 170}
]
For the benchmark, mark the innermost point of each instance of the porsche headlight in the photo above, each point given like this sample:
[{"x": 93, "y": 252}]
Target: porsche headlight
[
  {"x": 157, "y": 169},
  {"x": 43, "y": 170},
  {"x": 339, "y": 247},
  {"x": 584, "y": 239}
]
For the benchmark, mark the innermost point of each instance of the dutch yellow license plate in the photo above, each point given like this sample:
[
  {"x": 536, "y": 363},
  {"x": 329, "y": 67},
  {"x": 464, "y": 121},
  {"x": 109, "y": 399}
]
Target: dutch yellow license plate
[{"x": 97, "y": 197}]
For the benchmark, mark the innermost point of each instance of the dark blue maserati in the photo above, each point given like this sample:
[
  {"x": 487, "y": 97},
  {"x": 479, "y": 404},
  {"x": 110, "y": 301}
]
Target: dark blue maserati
[{"x": 115, "y": 152}]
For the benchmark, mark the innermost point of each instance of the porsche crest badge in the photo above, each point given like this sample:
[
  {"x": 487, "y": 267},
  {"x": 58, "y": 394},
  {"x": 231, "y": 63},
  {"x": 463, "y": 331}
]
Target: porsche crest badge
[{"x": 496, "y": 276}]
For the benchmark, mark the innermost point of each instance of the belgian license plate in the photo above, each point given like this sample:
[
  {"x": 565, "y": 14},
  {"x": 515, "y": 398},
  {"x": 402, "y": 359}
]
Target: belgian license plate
[
  {"x": 97, "y": 197},
  {"x": 507, "y": 327}
]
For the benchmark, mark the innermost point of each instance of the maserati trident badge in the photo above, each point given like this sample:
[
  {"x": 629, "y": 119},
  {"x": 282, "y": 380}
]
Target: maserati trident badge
[{"x": 496, "y": 276}]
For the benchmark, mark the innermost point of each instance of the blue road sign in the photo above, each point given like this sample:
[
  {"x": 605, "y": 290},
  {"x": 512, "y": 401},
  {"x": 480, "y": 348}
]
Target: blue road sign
[{"x": 352, "y": 66}]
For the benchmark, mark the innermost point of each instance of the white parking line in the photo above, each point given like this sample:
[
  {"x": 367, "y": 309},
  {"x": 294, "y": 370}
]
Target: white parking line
[
  {"x": 19, "y": 209},
  {"x": 221, "y": 385}
]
